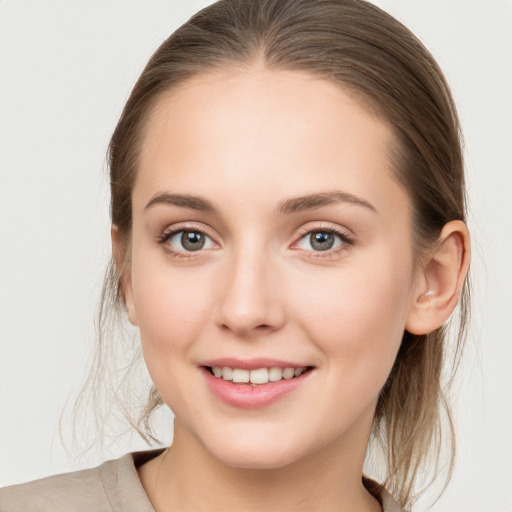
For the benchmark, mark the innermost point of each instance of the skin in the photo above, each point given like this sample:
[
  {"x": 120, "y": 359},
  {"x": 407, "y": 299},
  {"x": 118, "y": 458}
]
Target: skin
[{"x": 247, "y": 141}]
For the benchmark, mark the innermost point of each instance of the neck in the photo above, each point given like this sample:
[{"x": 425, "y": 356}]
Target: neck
[{"x": 188, "y": 477}]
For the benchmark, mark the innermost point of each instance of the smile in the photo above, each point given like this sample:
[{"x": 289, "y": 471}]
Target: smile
[
  {"x": 258, "y": 376},
  {"x": 255, "y": 383}
]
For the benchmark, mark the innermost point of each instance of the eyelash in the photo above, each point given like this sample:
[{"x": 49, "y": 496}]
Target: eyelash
[
  {"x": 346, "y": 241},
  {"x": 167, "y": 235}
]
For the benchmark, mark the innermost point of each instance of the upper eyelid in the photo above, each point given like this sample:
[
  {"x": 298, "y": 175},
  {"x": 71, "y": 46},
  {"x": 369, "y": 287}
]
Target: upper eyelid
[
  {"x": 300, "y": 233},
  {"x": 307, "y": 228},
  {"x": 346, "y": 238},
  {"x": 170, "y": 231},
  {"x": 327, "y": 226},
  {"x": 187, "y": 226}
]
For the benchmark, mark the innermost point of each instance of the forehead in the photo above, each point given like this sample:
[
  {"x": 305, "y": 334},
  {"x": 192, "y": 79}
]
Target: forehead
[{"x": 285, "y": 132}]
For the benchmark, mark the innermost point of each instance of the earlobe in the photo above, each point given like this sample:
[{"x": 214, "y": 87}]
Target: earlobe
[
  {"x": 125, "y": 281},
  {"x": 440, "y": 280}
]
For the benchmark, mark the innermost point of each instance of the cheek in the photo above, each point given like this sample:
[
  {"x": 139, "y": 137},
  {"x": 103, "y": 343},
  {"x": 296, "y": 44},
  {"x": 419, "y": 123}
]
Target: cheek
[
  {"x": 171, "y": 305},
  {"x": 357, "y": 318},
  {"x": 171, "y": 311}
]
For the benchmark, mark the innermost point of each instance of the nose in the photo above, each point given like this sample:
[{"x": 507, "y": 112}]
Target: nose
[{"x": 250, "y": 300}]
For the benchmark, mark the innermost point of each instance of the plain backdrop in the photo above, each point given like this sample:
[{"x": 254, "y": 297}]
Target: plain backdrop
[{"x": 66, "y": 69}]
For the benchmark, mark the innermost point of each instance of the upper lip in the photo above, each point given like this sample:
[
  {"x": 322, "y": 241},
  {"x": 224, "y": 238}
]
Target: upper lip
[{"x": 251, "y": 364}]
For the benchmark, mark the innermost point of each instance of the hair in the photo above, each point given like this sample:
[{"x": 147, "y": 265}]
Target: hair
[{"x": 374, "y": 57}]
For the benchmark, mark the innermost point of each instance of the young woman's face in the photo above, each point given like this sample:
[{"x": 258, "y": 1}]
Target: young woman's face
[{"x": 269, "y": 233}]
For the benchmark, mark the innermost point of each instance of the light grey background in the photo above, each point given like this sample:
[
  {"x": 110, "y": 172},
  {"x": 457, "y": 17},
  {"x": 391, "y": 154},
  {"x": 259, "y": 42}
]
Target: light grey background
[{"x": 66, "y": 69}]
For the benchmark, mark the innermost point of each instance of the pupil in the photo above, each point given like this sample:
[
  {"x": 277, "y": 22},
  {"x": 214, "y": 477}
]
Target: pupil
[
  {"x": 321, "y": 240},
  {"x": 192, "y": 240}
]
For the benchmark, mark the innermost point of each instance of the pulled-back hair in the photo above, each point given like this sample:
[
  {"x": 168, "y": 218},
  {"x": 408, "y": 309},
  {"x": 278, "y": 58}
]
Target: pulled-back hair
[{"x": 374, "y": 57}]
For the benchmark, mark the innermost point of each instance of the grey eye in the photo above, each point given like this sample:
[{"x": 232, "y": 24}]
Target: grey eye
[
  {"x": 320, "y": 241},
  {"x": 190, "y": 241}
]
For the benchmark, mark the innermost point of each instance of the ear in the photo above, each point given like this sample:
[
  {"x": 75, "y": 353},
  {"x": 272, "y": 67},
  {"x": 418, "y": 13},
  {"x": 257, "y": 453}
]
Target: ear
[
  {"x": 440, "y": 280},
  {"x": 118, "y": 253}
]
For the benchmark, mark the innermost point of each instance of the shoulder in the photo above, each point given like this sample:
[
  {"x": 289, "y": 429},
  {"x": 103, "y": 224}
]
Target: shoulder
[
  {"x": 112, "y": 486},
  {"x": 69, "y": 491}
]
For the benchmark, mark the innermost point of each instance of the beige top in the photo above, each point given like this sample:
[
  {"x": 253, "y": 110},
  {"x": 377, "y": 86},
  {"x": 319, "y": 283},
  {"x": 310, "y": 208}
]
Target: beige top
[{"x": 114, "y": 486}]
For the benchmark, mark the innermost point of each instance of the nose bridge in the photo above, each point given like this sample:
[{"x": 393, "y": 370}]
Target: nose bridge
[{"x": 249, "y": 298}]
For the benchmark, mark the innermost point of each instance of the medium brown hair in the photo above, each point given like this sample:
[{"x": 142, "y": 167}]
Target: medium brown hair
[{"x": 370, "y": 54}]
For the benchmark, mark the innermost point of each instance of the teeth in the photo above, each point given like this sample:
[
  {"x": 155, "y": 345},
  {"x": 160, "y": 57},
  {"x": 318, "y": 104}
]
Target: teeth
[
  {"x": 259, "y": 376},
  {"x": 240, "y": 375},
  {"x": 227, "y": 373},
  {"x": 288, "y": 373},
  {"x": 275, "y": 374}
]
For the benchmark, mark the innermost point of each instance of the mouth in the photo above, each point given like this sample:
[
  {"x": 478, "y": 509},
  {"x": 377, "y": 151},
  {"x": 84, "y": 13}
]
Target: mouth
[
  {"x": 258, "y": 376},
  {"x": 254, "y": 384}
]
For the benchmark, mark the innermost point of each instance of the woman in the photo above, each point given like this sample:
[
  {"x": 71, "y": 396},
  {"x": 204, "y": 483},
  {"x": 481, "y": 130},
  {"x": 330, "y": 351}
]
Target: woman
[{"x": 288, "y": 232}]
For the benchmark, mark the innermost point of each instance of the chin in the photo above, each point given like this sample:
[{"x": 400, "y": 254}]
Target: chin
[
  {"x": 256, "y": 452},
  {"x": 250, "y": 460}
]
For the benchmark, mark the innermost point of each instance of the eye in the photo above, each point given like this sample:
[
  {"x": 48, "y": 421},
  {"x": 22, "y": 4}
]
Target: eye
[
  {"x": 183, "y": 241},
  {"x": 321, "y": 240}
]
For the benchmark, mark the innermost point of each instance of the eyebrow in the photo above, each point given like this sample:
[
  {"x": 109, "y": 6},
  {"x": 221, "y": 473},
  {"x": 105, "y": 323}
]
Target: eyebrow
[
  {"x": 287, "y": 207},
  {"x": 184, "y": 201},
  {"x": 313, "y": 201}
]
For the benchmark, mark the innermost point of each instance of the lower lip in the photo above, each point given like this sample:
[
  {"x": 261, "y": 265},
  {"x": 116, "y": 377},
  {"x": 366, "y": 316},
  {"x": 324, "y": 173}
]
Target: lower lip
[{"x": 251, "y": 396}]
